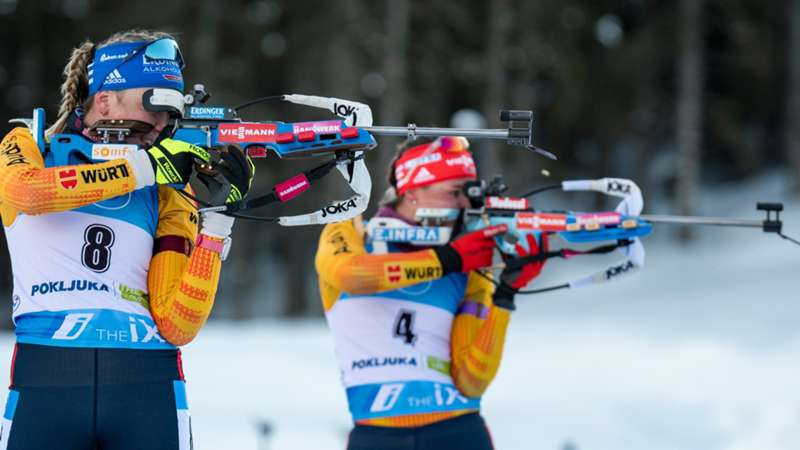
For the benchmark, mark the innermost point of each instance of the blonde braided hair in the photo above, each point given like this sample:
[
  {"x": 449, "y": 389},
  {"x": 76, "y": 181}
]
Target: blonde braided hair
[{"x": 75, "y": 88}]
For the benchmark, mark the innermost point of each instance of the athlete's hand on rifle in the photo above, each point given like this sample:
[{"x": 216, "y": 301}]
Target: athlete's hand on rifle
[
  {"x": 471, "y": 251},
  {"x": 514, "y": 277},
  {"x": 231, "y": 178},
  {"x": 169, "y": 161}
]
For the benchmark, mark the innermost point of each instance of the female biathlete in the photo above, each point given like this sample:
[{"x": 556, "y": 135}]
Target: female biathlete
[
  {"x": 110, "y": 273},
  {"x": 418, "y": 333}
]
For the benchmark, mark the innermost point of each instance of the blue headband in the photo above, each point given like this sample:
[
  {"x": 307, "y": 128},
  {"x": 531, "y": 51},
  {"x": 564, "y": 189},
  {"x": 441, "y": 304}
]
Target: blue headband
[{"x": 127, "y": 65}]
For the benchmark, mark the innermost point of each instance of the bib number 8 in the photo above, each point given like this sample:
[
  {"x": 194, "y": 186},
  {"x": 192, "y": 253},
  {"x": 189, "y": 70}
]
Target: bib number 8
[{"x": 97, "y": 242}]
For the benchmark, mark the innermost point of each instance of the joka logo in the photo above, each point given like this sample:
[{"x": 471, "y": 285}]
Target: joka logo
[
  {"x": 104, "y": 174},
  {"x": 246, "y": 132},
  {"x": 618, "y": 186},
  {"x": 338, "y": 208},
  {"x": 619, "y": 270},
  {"x": 346, "y": 110},
  {"x": 115, "y": 78},
  {"x": 393, "y": 273},
  {"x": 68, "y": 178}
]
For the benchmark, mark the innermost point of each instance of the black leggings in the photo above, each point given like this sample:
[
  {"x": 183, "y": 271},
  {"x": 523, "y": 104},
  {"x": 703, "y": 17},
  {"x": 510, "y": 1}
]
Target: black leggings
[
  {"x": 95, "y": 399},
  {"x": 467, "y": 432}
]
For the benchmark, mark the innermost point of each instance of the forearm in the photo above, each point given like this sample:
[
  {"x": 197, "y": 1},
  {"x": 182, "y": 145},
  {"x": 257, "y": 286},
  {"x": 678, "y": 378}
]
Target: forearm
[
  {"x": 32, "y": 190},
  {"x": 478, "y": 338},
  {"x": 366, "y": 273},
  {"x": 182, "y": 292}
]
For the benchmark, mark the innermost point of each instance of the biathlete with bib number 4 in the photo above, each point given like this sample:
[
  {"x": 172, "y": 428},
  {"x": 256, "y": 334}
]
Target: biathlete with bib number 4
[
  {"x": 110, "y": 271},
  {"x": 418, "y": 333}
]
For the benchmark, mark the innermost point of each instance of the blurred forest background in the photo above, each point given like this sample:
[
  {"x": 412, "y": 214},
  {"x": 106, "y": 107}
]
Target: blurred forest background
[{"x": 678, "y": 95}]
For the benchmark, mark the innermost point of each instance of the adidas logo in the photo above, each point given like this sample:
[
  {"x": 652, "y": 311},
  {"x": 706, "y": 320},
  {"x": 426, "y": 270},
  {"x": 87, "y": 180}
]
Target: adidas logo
[
  {"x": 115, "y": 78},
  {"x": 423, "y": 176}
]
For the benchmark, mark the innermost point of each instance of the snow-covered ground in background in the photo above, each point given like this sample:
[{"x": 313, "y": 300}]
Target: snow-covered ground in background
[{"x": 699, "y": 351}]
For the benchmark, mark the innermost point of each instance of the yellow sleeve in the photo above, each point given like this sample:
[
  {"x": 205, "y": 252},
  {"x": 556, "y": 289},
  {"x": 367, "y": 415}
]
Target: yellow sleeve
[
  {"x": 182, "y": 288},
  {"x": 343, "y": 265},
  {"x": 477, "y": 338},
  {"x": 27, "y": 187}
]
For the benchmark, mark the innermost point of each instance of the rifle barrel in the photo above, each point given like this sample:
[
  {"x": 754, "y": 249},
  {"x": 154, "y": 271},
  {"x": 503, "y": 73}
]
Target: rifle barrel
[
  {"x": 714, "y": 221},
  {"x": 414, "y": 131}
]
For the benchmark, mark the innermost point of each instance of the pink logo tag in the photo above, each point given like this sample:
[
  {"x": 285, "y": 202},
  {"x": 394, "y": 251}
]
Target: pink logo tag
[{"x": 292, "y": 187}]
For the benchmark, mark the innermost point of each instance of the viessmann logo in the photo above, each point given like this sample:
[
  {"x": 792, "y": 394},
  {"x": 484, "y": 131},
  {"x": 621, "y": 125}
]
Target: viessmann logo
[
  {"x": 246, "y": 132},
  {"x": 539, "y": 221}
]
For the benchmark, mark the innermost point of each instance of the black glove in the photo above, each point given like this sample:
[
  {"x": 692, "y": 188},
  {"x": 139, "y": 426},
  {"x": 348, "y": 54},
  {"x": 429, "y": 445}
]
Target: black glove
[
  {"x": 233, "y": 177},
  {"x": 173, "y": 160}
]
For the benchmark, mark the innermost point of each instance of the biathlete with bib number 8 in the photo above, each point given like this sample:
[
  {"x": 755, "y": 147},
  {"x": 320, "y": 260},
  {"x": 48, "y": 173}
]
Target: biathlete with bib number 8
[
  {"x": 418, "y": 333},
  {"x": 110, "y": 271}
]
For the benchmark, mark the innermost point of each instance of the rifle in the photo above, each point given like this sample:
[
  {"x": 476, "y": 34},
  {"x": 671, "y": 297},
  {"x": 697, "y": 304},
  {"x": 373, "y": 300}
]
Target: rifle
[
  {"x": 343, "y": 142},
  {"x": 621, "y": 229}
]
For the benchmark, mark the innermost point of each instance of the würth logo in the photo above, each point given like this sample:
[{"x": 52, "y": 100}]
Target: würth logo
[
  {"x": 393, "y": 273},
  {"x": 68, "y": 178}
]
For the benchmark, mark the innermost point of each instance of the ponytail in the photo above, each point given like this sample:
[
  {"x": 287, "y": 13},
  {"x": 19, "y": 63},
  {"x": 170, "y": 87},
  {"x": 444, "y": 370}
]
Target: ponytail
[{"x": 75, "y": 89}]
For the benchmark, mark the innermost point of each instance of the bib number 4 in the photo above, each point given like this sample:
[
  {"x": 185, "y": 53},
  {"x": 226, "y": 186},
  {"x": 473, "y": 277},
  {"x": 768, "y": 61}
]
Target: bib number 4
[
  {"x": 97, "y": 242},
  {"x": 404, "y": 327}
]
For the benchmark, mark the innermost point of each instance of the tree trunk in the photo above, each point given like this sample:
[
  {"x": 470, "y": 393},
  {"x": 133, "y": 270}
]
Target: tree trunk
[
  {"x": 793, "y": 93},
  {"x": 501, "y": 21},
  {"x": 397, "y": 19},
  {"x": 690, "y": 108}
]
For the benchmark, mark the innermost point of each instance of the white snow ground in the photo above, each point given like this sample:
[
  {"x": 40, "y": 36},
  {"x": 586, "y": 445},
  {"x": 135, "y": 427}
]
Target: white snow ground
[{"x": 699, "y": 351}]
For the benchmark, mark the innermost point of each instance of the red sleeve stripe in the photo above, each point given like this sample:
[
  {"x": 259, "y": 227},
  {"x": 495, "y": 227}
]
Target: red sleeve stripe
[{"x": 173, "y": 243}]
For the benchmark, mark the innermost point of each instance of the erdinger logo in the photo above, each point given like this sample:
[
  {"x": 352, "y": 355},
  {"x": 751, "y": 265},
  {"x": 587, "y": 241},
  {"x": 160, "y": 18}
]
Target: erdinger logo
[
  {"x": 617, "y": 186},
  {"x": 506, "y": 203},
  {"x": 544, "y": 222},
  {"x": 338, "y": 208},
  {"x": 207, "y": 111},
  {"x": 247, "y": 132}
]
